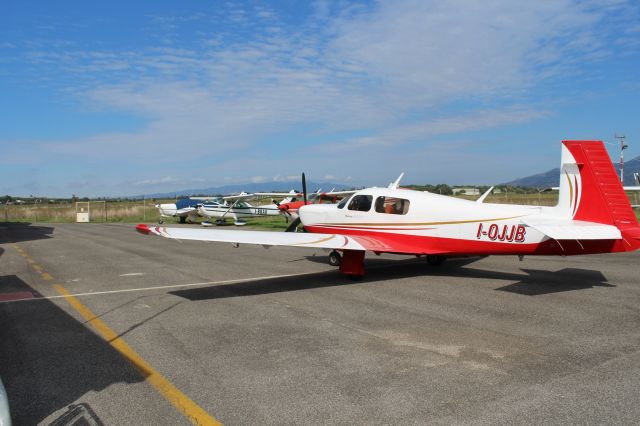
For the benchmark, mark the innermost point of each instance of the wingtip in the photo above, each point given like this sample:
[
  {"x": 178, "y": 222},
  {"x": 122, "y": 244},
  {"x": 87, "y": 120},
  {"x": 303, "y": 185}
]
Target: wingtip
[{"x": 143, "y": 228}]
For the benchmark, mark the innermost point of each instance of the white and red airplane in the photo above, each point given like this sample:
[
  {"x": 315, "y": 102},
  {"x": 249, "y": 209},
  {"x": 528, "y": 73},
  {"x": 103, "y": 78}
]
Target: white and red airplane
[{"x": 593, "y": 215}]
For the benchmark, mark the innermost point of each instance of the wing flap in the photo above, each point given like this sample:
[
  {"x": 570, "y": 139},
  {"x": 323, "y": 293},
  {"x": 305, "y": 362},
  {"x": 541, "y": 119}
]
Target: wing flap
[{"x": 560, "y": 229}]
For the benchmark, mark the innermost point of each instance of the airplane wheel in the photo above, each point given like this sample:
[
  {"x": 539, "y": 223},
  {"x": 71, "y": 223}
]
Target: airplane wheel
[
  {"x": 161, "y": 221},
  {"x": 435, "y": 260},
  {"x": 183, "y": 219},
  {"x": 334, "y": 258}
]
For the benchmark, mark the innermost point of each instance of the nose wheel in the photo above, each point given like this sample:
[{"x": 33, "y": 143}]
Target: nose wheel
[{"x": 334, "y": 258}]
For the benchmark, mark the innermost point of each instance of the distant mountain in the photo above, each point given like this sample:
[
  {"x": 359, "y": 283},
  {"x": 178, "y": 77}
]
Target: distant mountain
[
  {"x": 552, "y": 177},
  {"x": 250, "y": 187}
]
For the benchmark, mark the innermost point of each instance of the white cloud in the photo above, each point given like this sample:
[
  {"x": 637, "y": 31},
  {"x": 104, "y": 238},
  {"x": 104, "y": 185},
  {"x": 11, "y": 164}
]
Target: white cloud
[
  {"x": 157, "y": 181},
  {"x": 391, "y": 71}
]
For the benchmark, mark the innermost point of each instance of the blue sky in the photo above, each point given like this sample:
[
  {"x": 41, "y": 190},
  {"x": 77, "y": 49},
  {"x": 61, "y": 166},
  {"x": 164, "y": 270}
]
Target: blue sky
[{"x": 121, "y": 98}]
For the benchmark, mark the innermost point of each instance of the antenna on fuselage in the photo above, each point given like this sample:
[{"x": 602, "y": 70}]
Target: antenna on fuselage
[{"x": 395, "y": 184}]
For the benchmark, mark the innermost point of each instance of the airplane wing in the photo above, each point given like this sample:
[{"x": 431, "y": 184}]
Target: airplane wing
[
  {"x": 291, "y": 239},
  {"x": 341, "y": 193},
  {"x": 263, "y": 238},
  {"x": 563, "y": 229},
  {"x": 278, "y": 194},
  {"x": 245, "y": 196},
  {"x": 238, "y": 197}
]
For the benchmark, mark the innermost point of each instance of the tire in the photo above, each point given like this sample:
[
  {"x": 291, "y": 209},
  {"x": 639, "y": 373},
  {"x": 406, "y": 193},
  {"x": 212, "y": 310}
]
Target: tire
[{"x": 334, "y": 258}]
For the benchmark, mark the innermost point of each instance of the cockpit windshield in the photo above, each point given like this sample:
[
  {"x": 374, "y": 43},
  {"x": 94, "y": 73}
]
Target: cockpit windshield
[
  {"x": 344, "y": 202},
  {"x": 361, "y": 203}
]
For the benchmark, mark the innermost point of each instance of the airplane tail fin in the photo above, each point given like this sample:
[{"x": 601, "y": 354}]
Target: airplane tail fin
[{"x": 590, "y": 189}]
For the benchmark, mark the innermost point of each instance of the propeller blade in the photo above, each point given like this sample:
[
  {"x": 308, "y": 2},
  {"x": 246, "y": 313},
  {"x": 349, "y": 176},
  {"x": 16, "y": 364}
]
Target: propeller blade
[
  {"x": 293, "y": 226},
  {"x": 304, "y": 189},
  {"x": 275, "y": 202}
]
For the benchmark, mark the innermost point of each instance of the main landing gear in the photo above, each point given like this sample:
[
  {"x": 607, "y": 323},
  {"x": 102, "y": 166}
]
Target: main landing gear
[
  {"x": 335, "y": 258},
  {"x": 351, "y": 262}
]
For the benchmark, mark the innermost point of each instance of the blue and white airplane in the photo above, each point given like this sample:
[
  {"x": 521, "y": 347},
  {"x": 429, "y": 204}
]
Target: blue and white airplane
[{"x": 183, "y": 208}]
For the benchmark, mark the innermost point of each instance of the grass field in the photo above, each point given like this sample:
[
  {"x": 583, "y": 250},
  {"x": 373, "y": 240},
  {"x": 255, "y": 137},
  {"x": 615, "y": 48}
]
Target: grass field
[{"x": 139, "y": 211}]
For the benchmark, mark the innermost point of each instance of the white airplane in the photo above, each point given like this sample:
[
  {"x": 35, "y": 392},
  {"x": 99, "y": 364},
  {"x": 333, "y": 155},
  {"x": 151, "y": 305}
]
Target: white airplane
[
  {"x": 235, "y": 206},
  {"x": 593, "y": 215},
  {"x": 183, "y": 208}
]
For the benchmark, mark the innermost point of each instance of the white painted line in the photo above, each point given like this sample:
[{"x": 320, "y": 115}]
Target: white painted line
[
  {"x": 133, "y": 274},
  {"x": 162, "y": 287}
]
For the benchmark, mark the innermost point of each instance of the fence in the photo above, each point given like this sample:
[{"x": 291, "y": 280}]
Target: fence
[{"x": 101, "y": 211}]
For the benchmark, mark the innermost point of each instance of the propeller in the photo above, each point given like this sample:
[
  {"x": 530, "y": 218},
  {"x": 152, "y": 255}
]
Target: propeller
[
  {"x": 304, "y": 189},
  {"x": 293, "y": 227},
  {"x": 284, "y": 209}
]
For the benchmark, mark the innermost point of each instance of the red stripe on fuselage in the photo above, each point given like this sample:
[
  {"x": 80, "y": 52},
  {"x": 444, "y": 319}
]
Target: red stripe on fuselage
[
  {"x": 418, "y": 244},
  {"x": 373, "y": 228}
]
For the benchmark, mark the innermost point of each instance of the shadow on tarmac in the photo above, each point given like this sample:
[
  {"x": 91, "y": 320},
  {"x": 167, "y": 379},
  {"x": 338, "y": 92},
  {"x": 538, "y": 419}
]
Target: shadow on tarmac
[
  {"x": 530, "y": 283},
  {"x": 16, "y": 232},
  {"x": 49, "y": 360},
  {"x": 539, "y": 282}
]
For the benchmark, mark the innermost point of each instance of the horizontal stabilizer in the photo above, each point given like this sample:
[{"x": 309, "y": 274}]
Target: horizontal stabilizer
[{"x": 560, "y": 229}]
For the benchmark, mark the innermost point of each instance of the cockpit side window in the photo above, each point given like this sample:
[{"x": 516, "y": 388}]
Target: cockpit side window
[
  {"x": 361, "y": 203},
  {"x": 392, "y": 205}
]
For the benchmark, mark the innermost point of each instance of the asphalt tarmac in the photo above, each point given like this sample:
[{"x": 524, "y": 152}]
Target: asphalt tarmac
[{"x": 159, "y": 331}]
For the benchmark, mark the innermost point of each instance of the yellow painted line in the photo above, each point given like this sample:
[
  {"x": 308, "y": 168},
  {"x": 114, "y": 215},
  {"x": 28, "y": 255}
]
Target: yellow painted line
[
  {"x": 183, "y": 403},
  {"x": 180, "y": 401}
]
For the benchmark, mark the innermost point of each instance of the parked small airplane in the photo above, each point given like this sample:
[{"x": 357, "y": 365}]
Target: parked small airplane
[
  {"x": 235, "y": 206},
  {"x": 183, "y": 208},
  {"x": 593, "y": 215}
]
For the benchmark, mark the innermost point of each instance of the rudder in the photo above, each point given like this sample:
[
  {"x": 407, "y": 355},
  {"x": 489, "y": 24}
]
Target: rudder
[{"x": 589, "y": 186}]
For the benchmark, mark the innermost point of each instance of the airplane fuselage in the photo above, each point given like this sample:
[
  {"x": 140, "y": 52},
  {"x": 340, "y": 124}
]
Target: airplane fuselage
[
  {"x": 405, "y": 220},
  {"x": 238, "y": 211}
]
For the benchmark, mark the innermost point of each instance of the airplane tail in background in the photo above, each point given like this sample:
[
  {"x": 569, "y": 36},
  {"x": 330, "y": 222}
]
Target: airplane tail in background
[{"x": 590, "y": 189}]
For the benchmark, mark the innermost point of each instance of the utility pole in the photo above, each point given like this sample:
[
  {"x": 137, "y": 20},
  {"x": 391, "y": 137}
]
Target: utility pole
[{"x": 623, "y": 146}]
